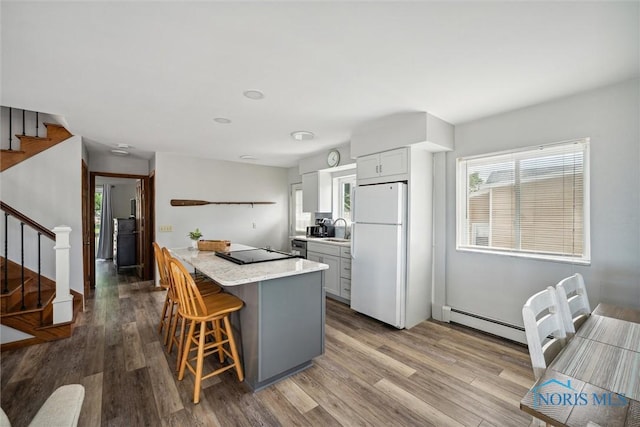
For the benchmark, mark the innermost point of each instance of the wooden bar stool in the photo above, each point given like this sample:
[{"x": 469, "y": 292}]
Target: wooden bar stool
[
  {"x": 209, "y": 327},
  {"x": 168, "y": 309}
]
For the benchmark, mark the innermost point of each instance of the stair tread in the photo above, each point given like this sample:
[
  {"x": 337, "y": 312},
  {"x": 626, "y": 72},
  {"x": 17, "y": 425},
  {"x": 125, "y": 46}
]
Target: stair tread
[
  {"x": 32, "y": 137},
  {"x": 31, "y": 302},
  {"x": 33, "y": 145},
  {"x": 7, "y": 151},
  {"x": 14, "y": 284}
]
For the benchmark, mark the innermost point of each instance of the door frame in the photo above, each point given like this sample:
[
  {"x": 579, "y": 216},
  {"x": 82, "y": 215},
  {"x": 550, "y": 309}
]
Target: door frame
[
  {"x": 146, "y": 232},
  {"x": 86, "y": 227}
]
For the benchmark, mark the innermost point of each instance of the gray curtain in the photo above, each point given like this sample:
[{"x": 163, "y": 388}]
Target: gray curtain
[{"x": 105, "y": 240}]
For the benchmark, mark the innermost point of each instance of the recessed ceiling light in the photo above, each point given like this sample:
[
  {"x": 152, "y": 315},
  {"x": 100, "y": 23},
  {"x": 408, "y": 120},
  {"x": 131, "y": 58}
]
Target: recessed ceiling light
[
  {"x": 222, "y": 120},
  {"x": 119, "y": 152},
  {"x": 302, "y": 135},
  {"x": 253, "y": 94},
  {"x": 248, "y": 157},
  {"x": 124, "y": 146}
]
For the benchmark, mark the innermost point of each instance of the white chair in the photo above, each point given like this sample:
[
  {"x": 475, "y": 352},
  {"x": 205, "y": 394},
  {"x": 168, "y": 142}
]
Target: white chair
[
  {"x": 544, "y": 328},
  {"x": 574, "y": 303},
  {"x": 61, "y": 409}
]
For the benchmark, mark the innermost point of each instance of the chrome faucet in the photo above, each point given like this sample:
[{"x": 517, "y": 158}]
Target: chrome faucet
[{"x": 346, "y": 234}]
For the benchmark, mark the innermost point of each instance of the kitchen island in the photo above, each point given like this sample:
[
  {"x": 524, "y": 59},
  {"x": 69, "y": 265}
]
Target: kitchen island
[{"x": 280, "y": 329}]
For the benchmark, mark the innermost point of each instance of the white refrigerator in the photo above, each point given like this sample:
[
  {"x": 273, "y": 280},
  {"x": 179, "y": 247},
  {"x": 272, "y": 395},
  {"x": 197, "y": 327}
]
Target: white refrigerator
[{"x": 378, "y": 250}]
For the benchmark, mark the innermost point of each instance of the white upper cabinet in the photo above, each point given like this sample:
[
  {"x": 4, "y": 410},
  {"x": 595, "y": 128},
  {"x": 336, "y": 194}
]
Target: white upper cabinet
[
  {"x": 383, "y": 167},
  {"x": 316, "y": 192}
]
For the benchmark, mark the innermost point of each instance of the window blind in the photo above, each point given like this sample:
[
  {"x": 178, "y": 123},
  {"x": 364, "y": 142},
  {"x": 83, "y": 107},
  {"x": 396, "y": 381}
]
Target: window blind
[{"x": 531, "y": 201}]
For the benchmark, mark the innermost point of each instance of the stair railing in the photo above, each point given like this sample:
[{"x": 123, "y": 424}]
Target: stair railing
[
  {"x": 41, "y": 230},
  {"x": 24, "y": 124}
]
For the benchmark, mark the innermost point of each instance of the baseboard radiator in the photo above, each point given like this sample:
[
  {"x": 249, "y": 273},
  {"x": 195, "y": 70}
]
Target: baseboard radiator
[{"x": 485, "y": 324}]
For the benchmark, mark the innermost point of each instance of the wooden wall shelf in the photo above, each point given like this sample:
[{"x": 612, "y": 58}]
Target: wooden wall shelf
[{"x": 188, "y": 202}]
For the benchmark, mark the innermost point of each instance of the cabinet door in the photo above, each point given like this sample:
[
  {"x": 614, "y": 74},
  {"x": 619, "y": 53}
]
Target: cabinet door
[
  {"x": 310, "y": 192},
  {"x": 316, "y": 192},
  {"x": 393, "y": 162},
  {"x": 312, "y": 256},
  {"x": 368, "y": 166},
  {"x": 332, "y": 275}
]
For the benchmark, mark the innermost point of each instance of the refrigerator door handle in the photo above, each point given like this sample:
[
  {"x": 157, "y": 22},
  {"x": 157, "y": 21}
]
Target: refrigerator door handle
[
  {"x": 353, "y": 204},
  {"x": 353, "y": 240}
]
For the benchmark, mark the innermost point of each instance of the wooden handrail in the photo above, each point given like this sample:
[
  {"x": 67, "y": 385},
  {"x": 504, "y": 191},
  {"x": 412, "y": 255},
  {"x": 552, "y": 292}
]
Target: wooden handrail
[{"x": 25, "y": 219}]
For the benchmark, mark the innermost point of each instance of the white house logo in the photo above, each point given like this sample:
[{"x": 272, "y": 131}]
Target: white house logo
[{"x": 568, "y": 396}]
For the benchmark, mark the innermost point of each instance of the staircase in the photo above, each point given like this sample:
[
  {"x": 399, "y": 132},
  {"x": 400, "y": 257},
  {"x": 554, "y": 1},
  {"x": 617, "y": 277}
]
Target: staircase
[
  {"x": 32, "y": 145},
  {"x": 27, "y": 297},
  {"x": 32, "y": 315}
]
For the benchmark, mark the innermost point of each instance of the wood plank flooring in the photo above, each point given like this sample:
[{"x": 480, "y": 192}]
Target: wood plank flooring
[{"x": 371, "y": 374}]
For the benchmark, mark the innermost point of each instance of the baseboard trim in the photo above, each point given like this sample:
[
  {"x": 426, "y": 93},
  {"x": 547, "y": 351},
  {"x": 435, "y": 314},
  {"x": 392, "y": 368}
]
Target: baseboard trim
[{"x": 491, "y": 326}]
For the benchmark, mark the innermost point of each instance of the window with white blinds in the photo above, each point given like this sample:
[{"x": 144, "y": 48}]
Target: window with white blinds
[{"x": 532, "y": 202}]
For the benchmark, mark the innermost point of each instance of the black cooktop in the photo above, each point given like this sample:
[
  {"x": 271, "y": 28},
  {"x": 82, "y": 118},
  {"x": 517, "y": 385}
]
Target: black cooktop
[{"x": 252, "y": 256}]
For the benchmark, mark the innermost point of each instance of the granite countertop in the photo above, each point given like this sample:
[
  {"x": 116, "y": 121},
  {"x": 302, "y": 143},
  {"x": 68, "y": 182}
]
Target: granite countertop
[
  {"x": 327, "y": 240},
  {"x": 228, "y": 273}
]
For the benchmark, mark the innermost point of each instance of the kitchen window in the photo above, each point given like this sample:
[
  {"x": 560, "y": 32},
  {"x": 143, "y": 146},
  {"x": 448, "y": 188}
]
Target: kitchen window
[
  {"x": 342, "y": 194},
  {"x": 531, "y": 203},
  {"x": 299, "y": 220}
]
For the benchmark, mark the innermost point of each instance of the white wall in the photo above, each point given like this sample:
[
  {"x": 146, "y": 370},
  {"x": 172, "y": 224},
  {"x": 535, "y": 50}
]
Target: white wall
[
  {"x": 47, "y": 188},
  {"x": 319, "y": 161},
  {"x": 294, "y": 176},
  {"x": 106, "y": 162},
  {"x": 497, "y": 286},
  {"x": 180, "y": 177}
]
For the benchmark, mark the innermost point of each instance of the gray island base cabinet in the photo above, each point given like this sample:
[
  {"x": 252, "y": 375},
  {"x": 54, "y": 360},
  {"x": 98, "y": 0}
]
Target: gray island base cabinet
[
  {"x": 280, "y": 329},
  {"x": 281, "y": 326}
]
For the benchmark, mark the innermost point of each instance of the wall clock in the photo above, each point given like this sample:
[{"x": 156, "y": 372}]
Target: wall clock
[{"x": 333, "y": 158}]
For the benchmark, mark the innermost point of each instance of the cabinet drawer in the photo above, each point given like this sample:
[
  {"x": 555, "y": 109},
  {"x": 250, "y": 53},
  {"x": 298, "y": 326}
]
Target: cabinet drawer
[
  {"x": 345, "y": 288},
  {"x": 345, "y": 268},
  {"x": 345, "y": 252},
  {"x": 326, "y": 249}
]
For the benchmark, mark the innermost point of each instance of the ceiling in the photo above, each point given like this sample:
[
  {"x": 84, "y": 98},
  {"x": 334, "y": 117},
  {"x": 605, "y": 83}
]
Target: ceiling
[{"x": 154, "y": 75}]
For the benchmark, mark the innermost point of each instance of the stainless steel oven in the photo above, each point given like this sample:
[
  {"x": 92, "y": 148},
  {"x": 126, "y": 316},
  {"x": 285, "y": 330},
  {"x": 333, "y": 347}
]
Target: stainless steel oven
[{"x": 299, "y": 247}]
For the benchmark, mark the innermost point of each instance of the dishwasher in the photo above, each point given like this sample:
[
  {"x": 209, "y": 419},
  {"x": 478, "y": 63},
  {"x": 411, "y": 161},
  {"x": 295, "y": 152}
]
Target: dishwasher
[{"x": 299, "y": 247}]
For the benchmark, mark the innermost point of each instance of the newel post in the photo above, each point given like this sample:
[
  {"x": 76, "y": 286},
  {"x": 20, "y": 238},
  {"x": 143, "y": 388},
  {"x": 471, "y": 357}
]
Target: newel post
[{"x": 63, "y": 303}]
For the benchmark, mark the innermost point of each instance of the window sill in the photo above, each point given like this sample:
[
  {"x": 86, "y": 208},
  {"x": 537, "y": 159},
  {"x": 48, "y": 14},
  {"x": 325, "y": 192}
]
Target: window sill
[{"x": 533, "y": 256}]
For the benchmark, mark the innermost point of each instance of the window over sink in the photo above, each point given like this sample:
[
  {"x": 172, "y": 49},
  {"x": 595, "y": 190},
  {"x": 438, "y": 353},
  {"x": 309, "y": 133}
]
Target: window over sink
[{"x": 342, "y": 187}]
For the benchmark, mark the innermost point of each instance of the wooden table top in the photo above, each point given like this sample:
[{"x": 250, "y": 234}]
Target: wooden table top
[
  {"x": 596, "y": 377},
  {"x": 622, "y": 313}
]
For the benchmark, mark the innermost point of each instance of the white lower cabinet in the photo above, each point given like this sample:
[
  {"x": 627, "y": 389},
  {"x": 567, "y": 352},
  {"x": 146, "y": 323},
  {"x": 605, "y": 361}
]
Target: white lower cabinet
[
  {"x": 332, "y": 275},
  {"x": 337, "y": 279}
]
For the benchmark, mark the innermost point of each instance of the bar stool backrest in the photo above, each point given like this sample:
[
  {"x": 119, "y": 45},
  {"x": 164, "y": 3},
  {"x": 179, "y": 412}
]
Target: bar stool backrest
[
  {"x": 162, "y": 265},
  {"x": 190, "y": 302}
]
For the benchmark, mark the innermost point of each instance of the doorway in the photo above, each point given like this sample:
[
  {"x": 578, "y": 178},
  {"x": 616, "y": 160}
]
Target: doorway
[{"x": 128, "y": 200}]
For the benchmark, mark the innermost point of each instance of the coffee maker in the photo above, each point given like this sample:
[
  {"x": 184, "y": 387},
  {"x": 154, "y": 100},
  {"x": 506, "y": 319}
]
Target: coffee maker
[{"x": 323, "y": 228}]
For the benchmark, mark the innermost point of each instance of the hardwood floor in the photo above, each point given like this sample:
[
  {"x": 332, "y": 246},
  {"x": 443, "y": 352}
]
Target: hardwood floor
[{"x": 371, "y": 374}]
